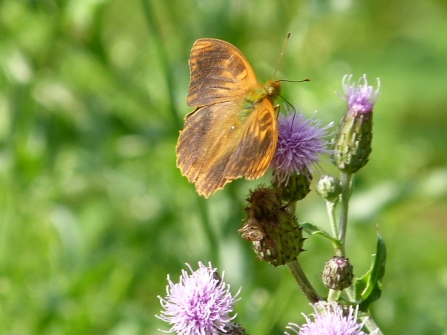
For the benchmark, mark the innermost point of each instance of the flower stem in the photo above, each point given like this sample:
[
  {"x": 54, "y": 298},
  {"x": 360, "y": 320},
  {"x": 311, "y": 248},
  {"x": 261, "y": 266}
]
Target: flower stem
[
  {"x": 346, "y": 179},
  {"x": 371, "y": 326},
  {"x": 333, "y": 295},
  {"x": 346, "y": 183},
  {"x": 330, "y": 207},
  {"x": 303, "y": 282},
  {"x": 159, "y": 49},
  {"x": 299, "y": 275},
  {"x": 212, "y": 239}
]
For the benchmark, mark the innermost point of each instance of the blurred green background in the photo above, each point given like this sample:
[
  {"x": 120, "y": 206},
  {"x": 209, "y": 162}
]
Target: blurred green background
[{"x": 94, "y": 213}]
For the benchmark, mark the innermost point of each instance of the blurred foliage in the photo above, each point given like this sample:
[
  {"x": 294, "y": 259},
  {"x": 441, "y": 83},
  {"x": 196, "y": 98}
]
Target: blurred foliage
[{"x": 94, "y": 213}]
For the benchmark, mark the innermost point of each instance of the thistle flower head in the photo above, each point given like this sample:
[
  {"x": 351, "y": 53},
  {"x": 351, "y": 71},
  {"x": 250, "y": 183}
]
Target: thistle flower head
[
  {"x": 361, "y": 97},
  {"x": 330, "y": 319},
  {"x": 300, "y": 142},
  {"x": 276, "y": 236},
  {"x": 199, "y": 304},
  {"x": 352, "y": 142}
]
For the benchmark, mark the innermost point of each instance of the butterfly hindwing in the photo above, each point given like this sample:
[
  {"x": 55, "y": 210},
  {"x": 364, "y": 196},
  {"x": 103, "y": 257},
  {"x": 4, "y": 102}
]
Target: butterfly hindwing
[
  {"x": 257, "y": 148},
  {"x": 230, "y": 146}
]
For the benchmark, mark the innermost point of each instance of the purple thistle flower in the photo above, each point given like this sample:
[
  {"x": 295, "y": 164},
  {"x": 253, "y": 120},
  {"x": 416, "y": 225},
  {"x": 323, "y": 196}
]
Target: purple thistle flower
[
  {"x": 330, "y": 319},
  {"x": 361, "y": 97},
  {"x": 300, "y": 142},
  {"x": 199, "y": 304},
  {"x": 352, "y": 143}
]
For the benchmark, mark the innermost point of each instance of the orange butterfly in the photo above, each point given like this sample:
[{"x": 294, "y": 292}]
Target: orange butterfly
[{"x": 233, "y": 131}]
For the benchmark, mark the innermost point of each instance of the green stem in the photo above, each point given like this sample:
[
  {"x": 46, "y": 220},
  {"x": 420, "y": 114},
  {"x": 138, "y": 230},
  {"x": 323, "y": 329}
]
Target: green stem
[
  {"x": 346, "y": 184},
  {"x": 333, "y": 295},
  {"x": 371, "y": 326},
  {"x": 330, "y": 207},
  {"x": 346, "y": 179},
  {"x": 303, "y": 282},
  {"x": 212, "y": 239},
  {"x": 298, "y": 273},
  {"x": 160, "y": 47}
]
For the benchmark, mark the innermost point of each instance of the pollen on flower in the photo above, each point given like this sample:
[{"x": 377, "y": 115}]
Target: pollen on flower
[
  {"x": 300, "y": 142},
  {"x": 360, "y": 97},
  {"x": 200, "y": 303}
]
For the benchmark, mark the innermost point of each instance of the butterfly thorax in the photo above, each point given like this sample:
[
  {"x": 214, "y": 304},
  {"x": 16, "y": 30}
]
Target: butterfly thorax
[{"x": 271, "y": 90}]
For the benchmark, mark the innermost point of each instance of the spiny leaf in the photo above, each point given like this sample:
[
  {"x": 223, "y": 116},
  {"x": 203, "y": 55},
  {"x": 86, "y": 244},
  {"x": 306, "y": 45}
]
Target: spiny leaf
[
  {"x": 312, "y": 229},
  {"x": 368, "y": 288}
]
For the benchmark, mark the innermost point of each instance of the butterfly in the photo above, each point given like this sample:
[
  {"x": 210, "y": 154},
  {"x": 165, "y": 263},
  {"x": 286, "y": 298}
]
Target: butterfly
[{"x": 233, "y": 131}]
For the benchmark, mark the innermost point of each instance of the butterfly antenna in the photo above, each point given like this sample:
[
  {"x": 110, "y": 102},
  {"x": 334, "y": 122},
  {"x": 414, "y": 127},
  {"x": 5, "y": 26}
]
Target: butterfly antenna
[
  {"x": 294, "y": 111},
  {"x": 282, "y": 53},
  {"x": 294, "y": 81},
  {"x": 287, "y": 102},
  {"x": 293, "y": 120}
]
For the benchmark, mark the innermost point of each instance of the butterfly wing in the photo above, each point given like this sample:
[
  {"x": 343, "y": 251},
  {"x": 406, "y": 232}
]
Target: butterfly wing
[
  {"x": 220, "y": 143},
  {"x": 226, "y": 137},
  {"x": 253, "y": 153},
  {"x": 219, "y": 72}
]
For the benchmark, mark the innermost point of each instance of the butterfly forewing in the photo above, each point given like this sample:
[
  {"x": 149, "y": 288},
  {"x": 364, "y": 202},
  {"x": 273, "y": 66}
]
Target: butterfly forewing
[{"x": 219, "y": 72}]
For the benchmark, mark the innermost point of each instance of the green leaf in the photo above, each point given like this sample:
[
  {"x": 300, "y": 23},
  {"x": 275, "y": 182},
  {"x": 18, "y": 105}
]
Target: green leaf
[
  {"x": 312, "y": 229},
  {"x": 368, "y": 288}
]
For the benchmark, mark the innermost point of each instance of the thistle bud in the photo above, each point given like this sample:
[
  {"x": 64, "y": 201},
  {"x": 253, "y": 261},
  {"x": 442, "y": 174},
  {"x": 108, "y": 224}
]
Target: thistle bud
[
  {"x": 352, "y": 142},
  {"x": 329, "y": 188},
  {"x": 296, "y": 187},
  {"x": 277, "y": 238},
  {"x": 337, "y": 274}
]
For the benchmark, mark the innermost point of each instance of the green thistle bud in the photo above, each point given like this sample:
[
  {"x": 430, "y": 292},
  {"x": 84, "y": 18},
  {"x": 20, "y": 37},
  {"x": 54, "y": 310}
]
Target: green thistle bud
[
  {"x": 277, "y": 238},
  {"x": 295, "y": 188},
  {"x": 329, "y": 188},
  {"x": 337, "y": 274},
  {"x": 352, "y": 142}
]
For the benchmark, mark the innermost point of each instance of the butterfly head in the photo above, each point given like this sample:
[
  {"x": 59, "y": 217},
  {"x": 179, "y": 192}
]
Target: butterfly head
[{"x": 273, "y": 88}]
